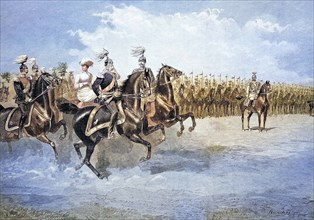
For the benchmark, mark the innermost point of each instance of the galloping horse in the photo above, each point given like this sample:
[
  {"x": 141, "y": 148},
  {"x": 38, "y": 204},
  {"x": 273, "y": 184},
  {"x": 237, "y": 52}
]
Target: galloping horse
[
  {"x": 261, "y": 107},
  {"x": 48, "y": 102},
  {"x": 132, "y": 126},
  {"x": 167, "y": 110},
  {"x": 39, "y": 121}
]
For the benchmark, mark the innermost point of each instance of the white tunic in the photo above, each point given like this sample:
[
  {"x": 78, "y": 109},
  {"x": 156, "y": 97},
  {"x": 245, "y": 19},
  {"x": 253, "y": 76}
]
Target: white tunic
[{"x": 83, "y": 82}]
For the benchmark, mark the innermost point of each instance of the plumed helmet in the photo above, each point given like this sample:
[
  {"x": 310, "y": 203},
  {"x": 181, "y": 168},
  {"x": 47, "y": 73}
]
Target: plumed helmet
[
  {"x": 254, "y": 75},
  {"x": 139, "y": 52},
  {"x": 107, "y": 61},
  {"x": 21, "y": 59},
  {"x": 101, "y": 55},
  {"x": 23, "y": 67},
  {"x": 142, "y": 58}
]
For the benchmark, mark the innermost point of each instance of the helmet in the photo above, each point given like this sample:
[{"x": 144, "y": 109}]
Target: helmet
[
  {"x": 23, "y": 67},
  {"x": 254, "y": 75},
  {"x": 142, "y": 58}
]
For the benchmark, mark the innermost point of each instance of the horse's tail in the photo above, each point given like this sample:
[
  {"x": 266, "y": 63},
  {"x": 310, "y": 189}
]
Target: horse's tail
[
  {"x": 239, "y": 97},
  {"x": 67, "y": 107}
]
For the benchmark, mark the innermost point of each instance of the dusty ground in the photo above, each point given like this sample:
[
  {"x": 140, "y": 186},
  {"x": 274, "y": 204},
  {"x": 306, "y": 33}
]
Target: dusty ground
[{"x": 215, "y": 172}]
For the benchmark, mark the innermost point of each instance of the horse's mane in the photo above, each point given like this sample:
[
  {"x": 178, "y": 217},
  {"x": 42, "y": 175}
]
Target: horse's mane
[
  {"x": 126, "y": 82},
  {"x": 159, "y": 71}
]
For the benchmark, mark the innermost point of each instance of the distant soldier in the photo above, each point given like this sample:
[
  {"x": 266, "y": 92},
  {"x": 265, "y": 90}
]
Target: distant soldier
[
  {"x": 252, "y": 90},
  {"x": 22, "y": 86}
]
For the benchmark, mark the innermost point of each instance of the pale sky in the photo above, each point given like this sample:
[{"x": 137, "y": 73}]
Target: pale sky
[{"x": 272, "y": 38}]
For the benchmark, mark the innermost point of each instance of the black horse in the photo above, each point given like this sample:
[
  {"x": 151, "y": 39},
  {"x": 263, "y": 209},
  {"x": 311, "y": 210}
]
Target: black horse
[{"x": 135, "y": 121}]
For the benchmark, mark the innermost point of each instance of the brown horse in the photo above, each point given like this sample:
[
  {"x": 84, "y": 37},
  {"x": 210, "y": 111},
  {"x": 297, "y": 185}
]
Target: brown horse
[
  {"x": 133, "y": 124},
  {"x": 48, "y": 102},
  {"x": 167, "y": 110},
  {"x": 39, "y": 121},
  {"x": 261, "y": 107}
]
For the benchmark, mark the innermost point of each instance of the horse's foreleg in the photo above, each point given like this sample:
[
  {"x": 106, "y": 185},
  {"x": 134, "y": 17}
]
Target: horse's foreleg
[
  {"x": 137, "y": 139},
  {"x": 246, "y": 119},
  {"x": 10, "y": 147},
  {"x": 77, "y": 147},
  {"x": 189, "y": 115},
  {"x": 89, "y": 152},
  {"x": 65, "y": 129},
  {"x": 45, "y": 139}
]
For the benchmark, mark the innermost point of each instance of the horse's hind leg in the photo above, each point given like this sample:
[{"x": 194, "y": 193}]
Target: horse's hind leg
[
  {"x": 45, "y": 139},
  {"x": 148, "y": 130},
  {"x": 57, "y": 126}
]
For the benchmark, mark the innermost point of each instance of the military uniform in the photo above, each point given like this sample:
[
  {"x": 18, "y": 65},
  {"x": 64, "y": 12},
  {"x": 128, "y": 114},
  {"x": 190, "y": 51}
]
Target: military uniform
[
  {"x": 106, "y": 88},
  {"x": 23, "y": 88},
  {"x": 252, "y": 91}
]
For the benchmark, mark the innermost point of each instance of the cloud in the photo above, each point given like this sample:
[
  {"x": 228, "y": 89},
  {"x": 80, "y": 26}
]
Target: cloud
[
  {"x": 265, "y": 26},
  {"x": 198, "y": 41}
]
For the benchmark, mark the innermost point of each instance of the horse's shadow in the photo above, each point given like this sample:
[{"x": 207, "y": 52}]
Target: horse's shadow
[{"x": 256, "y": 128}]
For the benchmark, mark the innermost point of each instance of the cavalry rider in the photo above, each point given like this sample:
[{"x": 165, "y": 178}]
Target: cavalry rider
[
  {"x": 106, "y": 88},
  {"x": 150, "y": 100},
  {"x": 252, "y": 91},
  {"x": 83, "y": 82},
  {"x": 23, "y": 87}
]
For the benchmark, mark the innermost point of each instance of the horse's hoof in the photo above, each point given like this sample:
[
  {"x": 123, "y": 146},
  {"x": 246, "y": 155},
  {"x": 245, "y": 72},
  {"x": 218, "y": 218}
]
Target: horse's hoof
[
  {"x": 179, "y": 133},
  {"x": 77, "y": 167},
  {"x": 191, "y": 129},
  {"x": 101, "y": 176},
  {"x": 142, "y": 159}
]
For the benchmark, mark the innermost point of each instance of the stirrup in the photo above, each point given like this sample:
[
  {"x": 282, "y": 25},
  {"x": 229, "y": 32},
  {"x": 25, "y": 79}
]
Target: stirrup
[{"x": 111, "y": 135}]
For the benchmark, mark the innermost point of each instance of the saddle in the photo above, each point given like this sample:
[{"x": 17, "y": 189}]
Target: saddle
[
  {"x": 11, "y": 124},
  {"x": 92, "y": 124}
]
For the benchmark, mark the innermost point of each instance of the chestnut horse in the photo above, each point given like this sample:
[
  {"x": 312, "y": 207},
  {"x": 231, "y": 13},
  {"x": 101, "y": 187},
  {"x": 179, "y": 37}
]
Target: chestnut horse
[{"x": 167, "y": 110}]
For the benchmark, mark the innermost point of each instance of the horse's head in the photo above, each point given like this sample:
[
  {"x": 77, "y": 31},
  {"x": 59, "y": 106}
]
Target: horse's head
[
  {"x": 265, "y": 88},
  {"x": 45, "y": 81},
  {"x": 170, "y": 71}
]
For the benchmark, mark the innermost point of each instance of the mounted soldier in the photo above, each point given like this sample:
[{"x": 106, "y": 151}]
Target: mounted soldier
[
  {"x": 83, "y": 83},
  {"x": 106, "y": 89},
  {"x": 23, "y": 87},
  {"x": 150, "y": 100},
  {"x": 252, "y": 91}
]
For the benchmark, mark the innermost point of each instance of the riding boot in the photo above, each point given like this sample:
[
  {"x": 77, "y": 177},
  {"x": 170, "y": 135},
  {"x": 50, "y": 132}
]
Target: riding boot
[
  {"x": 21, "y": 126},
  {"x": 112, "y": 123}
]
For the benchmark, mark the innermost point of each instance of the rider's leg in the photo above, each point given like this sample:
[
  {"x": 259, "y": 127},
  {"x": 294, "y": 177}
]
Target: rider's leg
[
  {"x": 23, "y": 118},
  {"x": 113, "y": 119}
]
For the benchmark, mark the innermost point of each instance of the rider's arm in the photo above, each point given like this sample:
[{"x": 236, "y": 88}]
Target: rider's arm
[{"x": 96, "y": 85}]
